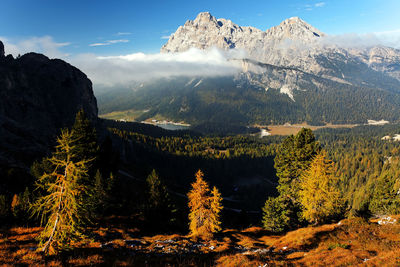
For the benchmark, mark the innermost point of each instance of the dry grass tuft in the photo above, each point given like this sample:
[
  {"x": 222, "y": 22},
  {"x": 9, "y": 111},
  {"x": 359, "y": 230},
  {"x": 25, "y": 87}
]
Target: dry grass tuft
[
  {"x": 86, "y": 261},
  {"x": 237, "y": 260}
]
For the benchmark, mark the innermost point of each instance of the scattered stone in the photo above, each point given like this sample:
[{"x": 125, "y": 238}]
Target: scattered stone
[
  {"x": 133, "y": 243},
  {"x": 387, "y": 220},
  {"x": 108, "y": 245}
]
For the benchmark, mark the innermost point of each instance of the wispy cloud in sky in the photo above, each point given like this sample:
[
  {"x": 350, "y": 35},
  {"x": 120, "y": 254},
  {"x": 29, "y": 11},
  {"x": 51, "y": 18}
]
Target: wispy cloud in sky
[
  {"x": 165, "y": 36},
  {"x": 110, "y": 42},
  {"x": 310, "y": 7},
  {"x": 43, "y": 44},
  {"x": 123, "y": 33}
]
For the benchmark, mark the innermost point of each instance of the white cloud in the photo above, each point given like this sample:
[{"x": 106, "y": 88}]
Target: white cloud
[
  {"x": 123, "y": 33},
  {"x": 118, "y": 41},
  {"x": 309, "y": 7},
  {"x": 45, "y": 45},
  {"x": 391, "y": 39},
  {"x": 110, "y": 42},
  {"x": 99, "y": 44},
  {"x": 165, "y": 36},
  {"x": 125, "y": 69}
]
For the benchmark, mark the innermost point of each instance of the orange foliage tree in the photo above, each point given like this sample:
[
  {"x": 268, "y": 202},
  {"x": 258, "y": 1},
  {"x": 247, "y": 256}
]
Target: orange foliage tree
[
  {"x": 205, "y": 208},
  {"x": 60, "y": 206}
]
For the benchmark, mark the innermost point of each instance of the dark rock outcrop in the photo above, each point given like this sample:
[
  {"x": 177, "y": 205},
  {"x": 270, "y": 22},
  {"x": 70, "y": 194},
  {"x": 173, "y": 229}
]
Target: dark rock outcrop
[
  {"x": 1, "y": 49},
  {"x": 38, "y": 97}
]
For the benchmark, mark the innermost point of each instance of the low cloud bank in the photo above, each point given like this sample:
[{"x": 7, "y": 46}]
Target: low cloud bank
[
  {"x": 125, "y": 69},
  {"x": 114, "y": 71},
  {"x": 354, "y": 40}
]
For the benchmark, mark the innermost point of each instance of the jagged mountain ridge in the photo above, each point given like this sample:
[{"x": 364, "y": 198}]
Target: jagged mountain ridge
[{"x": 293, "y": 43}]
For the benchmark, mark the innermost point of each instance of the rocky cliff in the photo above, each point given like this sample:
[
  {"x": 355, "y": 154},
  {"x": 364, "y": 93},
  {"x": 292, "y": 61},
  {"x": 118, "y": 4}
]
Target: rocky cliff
[{"x": 38, "y": 96}]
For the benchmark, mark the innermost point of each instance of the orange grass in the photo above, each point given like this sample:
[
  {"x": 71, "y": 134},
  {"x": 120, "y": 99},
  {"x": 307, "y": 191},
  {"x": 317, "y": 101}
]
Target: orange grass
[
  {"x": 237, "y": 260},
  {"x": 352, "y": 242}
]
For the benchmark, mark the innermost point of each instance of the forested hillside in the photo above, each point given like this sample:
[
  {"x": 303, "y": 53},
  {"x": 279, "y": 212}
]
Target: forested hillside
[{"x": 230, "y": 100}]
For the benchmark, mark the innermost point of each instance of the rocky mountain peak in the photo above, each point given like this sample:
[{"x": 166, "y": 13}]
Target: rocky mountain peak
[
  {"x": 1, "y": 49},
  {"x": 294, "y": 28},
  {"x": 204, "y": 18},
  {"x": 206, "y": 31}
]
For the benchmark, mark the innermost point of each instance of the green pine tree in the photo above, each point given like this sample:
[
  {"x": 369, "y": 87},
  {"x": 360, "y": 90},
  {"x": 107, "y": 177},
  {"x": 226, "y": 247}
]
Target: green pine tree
[
  {"x": 293, "y": 157},
  {"x": 159, "y": 207}
]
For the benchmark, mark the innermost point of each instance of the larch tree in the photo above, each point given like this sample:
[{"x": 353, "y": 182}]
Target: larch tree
[
  {"x": 216, "y": 208},
  {"x": 59, "y": 206},
  {"x": 319, "y": 194},
  {"x": 205, "y": 208}
]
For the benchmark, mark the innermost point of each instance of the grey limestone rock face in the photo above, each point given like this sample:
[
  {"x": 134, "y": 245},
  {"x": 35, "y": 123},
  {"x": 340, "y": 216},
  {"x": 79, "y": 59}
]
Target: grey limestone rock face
[{"x": 293, "y": 43}]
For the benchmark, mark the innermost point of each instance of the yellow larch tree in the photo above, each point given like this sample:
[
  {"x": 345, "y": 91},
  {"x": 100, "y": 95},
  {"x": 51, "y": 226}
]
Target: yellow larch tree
[
  {"x": 205, "y": 208},
  {"x": 216, "y": 208},
  {"x": 60, "y": 204},
  {"x": 319, "y": 194}
]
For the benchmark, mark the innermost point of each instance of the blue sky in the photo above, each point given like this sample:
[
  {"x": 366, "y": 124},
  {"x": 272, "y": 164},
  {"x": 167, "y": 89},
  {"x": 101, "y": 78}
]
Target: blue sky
[{"x": 123, "y": 27}]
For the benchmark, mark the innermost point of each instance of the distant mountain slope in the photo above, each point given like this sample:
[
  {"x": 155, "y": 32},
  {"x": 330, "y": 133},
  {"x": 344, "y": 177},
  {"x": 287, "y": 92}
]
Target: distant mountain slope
[
  {"x": 291, "y": 73},
  {"x": 38, "y": 96},
  {"x": 236, "y": 100}
]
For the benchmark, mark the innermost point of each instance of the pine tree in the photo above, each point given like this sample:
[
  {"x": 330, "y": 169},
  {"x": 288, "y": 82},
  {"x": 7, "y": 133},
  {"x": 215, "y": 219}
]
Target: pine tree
[
  {"x": 60, "y": 207},
  {"x": 86, "y": 149},
  {"x": 293, "y": 157},
  {"x": 276, "y": 214},
  {"x": 204, "y": 209},
  {"x": 99, "y": 198},
  {"x": 159, "y": 207},
  {"x": 319, "y": 195},
  {"x": 156, "y": 190},
  {"x": 86, "y": 139}
]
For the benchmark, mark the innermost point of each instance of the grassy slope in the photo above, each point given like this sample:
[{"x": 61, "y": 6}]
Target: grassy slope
[{"x": 351, "y": 242}]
